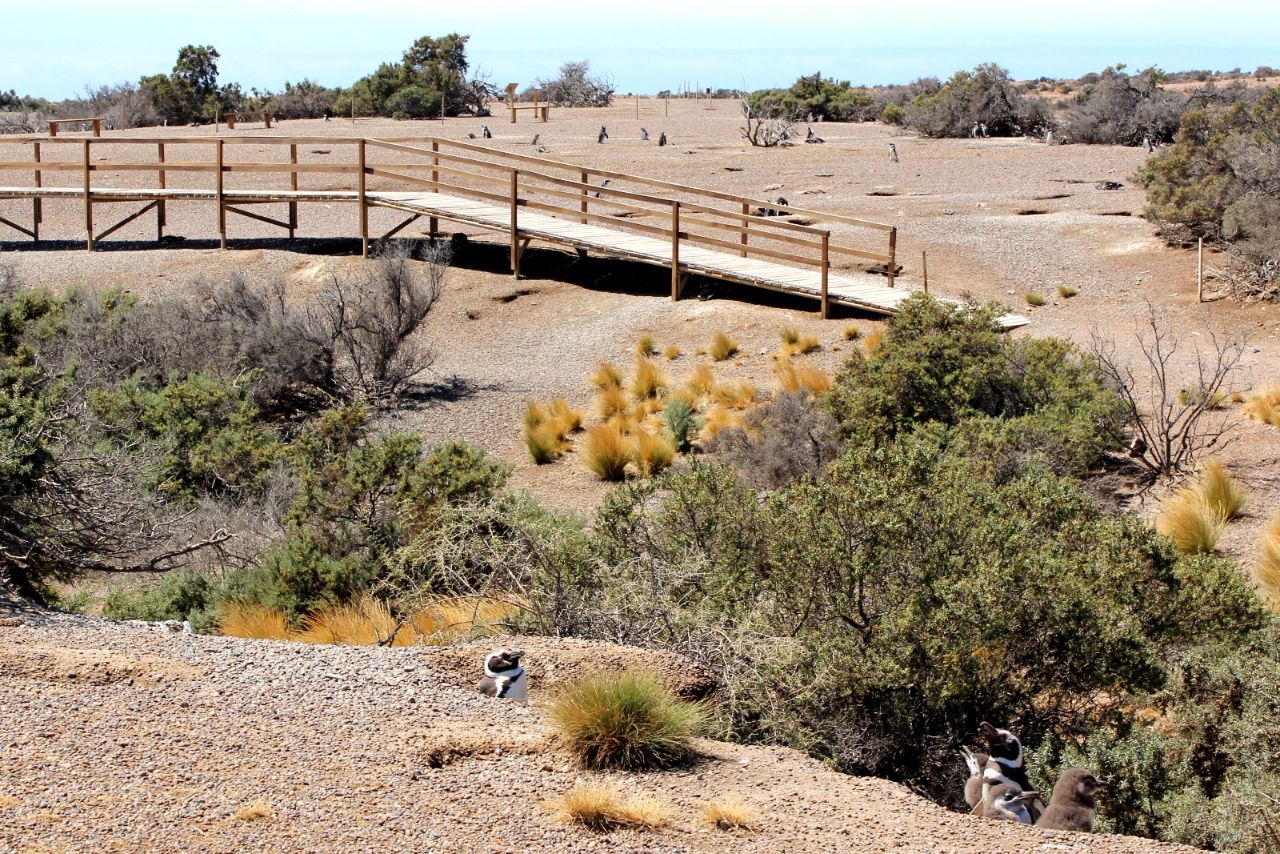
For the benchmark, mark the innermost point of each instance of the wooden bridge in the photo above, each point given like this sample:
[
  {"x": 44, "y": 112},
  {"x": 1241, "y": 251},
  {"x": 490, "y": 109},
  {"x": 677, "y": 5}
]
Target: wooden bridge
[{"x": 692, "y": 231}]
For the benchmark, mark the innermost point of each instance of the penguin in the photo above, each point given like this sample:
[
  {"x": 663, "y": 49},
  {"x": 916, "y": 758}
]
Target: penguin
[
  {"x": 662, "y": 139},
  {"x": 1007, "y": 802},
  {"x": 1006, "y": 763},
  {"x": 644, "y": 135},
  {"x": 485, "y": 132},
  {"x": 503, "y": 676},
  {"x": 605, "y": 184},
  {"x": 604, "y": 134},
  {"x": 471, "y": 136},
  {"x": 975, "y": 762},
  {"x": 536, "y": 137},
  {"x": 1072, "y": 807}
]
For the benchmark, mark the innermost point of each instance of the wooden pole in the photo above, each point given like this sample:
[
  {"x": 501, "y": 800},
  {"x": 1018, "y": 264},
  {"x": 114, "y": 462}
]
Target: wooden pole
[
  {"x": 88, "y": 202},
  {"x": 97, "y": 127},
  {"x": 162, "y": 175},
  {"x": 53, "y": 129},
  {"x": 675, "y": 251},
  {"x": 585, "y": 197},
  {"x": 364, "y": 204},
  {"x": 637, "y": 106},
  {"x": 433, "y": 224},
  {"x": 746, "y": 211},
  {"x": 515, "y": 223},
  {"x": 893, "y": 255},
  {"x": 924, "y": 265},
  {"x": 37, "y": 213},
  {"x": 222, "y": 210},
  {"x": 666, "y": 107},
  {"x": 293, "y": 185},
  {"x": 1200, "y": 269},
  {"x": 826, "y": 265}
]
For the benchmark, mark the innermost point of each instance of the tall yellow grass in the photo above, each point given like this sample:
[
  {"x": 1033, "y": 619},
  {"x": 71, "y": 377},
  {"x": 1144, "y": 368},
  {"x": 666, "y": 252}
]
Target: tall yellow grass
[
  {"x": 604, "y": 808},
  {"x": 1266, "y": 571},
  {"x": 731, "y": 813},
  {"x": 649, "y": 381},
  {"x": 807, "y": 378},
  {"x": 368, "y": 621},
  {"x": 646, "y": 346},
  {"x": 606, "y": 376},
  {"x": 872, "y": 341},
  {"x": 253, "y": 621},
  {"x": 1194, "y": 526},
  {"x": 1219, "y": 490},
  {"x": 611, "y": 401},
  {"x": 1264, "y": 405},
  {"x": 701, "y": 381},
  {"x": 722, "y": 347},
  {"x": 570, "y": 419},
  {"x": 606, "y": 451},
  {"x": 651, "y": 451}
]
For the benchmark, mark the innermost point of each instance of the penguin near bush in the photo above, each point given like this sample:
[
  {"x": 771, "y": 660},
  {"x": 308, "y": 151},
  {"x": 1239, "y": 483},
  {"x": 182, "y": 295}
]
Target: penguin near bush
[
  {"x": 504, "y": 678},
  {"x": 1073, "y": 806}
]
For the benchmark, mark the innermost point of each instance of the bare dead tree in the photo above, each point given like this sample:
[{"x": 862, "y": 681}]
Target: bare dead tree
[
  {"x": 1175, "y": 421},
  {"x": 766, "y": 129}
]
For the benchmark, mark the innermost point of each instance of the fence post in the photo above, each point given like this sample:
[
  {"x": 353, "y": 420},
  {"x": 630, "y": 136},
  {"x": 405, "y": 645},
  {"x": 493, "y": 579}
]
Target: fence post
[
  {"x": 893, "y": 255},
  {"x": 433, "y": 224},
  {"x": 364, "y": 206},
  {"x": 924, "y": 265},
  {"x": 585, "y": 198},
  {"x": 222, "y": 211},
  {"x": 293, "y": 185},
  {"x": 675, "y": 251},
  {"x": 37, "y": 213},
  {"x": 1200, "y": 269},
  {"x": 826, "y": 265},
  {"x": 88, "y": 202},
  {"x": 162, "y": 175},
  {"x": 746, "y": 211},
  {"x": 515, "y": 225}
]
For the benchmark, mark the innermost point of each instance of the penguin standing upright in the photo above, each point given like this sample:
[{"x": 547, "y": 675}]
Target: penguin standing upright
[
  {"x": 662, "y": 139},
  {"x": 484, "y": 130},
  {"x": 1005, "y": 763},
  {"x": 503, "y": 676},
  {"x": 1073, "y": 806},
  {"x": 644, "y": 135},
  {"x": 604, "y": 134}
]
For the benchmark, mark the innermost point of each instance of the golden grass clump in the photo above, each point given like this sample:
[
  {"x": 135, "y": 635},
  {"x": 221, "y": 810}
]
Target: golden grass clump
[
  {"x": 603, "y": 808},
  {"x": 731, "y": 813},
  {"x": 1266, "y": 571},
  {"x": 793, "y": 344},
  {"x": 739, "y": 396},
  {"x": 570, "y": 419},
  {"x": 255, "y": 810},
  {"x": 361, "y": 622},
  {"x": 649, "y": 381},
  {"x": 1034, "y": 299},
  {"x": 651, "y": 451},
  {"x": 671, "y": 353},
  {"x": 1066, "y": 291},
  {"x": 606, "y": 451},
  {"x": 1264, "y": 405},
  {"x": 253, "y": 621},
  {"x": 627, "y": 721},
  {"x": 1192, "y": 523},
  {"x": 873, "y": 341},
  {"x": 534, "y": 414},
  {"x": 718, "y": 419},
  {"x": 646, "y": 346},
  {"x": 790, "y": 335},
  {"x": 702, "y": 381},
  {"x": 1219, "y": 490},
  {"x": 722, "y": 347},
  {"x": 606, "y": 376},
  {"x": 452, "y": 618},
  {"x": 545, "y": 442},
  {"x": 852, "y": 333},
  {"x": 611, "y": 402},
  {"x": 807, "y": 378}
]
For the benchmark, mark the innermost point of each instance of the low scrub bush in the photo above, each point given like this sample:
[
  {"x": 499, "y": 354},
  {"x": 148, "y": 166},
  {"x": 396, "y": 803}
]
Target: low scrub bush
[
  {"x": 628, "y": 721},
  {"x": 1035, "y": 300}
]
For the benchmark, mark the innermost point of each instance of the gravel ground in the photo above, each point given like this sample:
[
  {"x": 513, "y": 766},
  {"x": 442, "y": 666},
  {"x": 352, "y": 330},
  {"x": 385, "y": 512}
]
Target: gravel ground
[{"x": 129, "y": 737}]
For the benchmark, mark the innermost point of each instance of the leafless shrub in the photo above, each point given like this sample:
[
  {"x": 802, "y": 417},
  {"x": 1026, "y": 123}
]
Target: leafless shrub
[
  {"x": 1175, "y": 420},
  {"x": 766, "y": 129},
  {"x": 577, "y": 87},
  {"x": 787, "y": 438}
]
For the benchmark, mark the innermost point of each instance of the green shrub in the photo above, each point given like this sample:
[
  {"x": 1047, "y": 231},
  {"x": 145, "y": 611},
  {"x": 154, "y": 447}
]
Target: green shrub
[
  {"x": 179, "y": 595},
  {"x": 629, "y": 721},
  {"x": 814, "y": 95},
  {"x": 1035, "y": 300},
  {"x": 986, "y": 95},
  {"x": 682, "y": 422}
]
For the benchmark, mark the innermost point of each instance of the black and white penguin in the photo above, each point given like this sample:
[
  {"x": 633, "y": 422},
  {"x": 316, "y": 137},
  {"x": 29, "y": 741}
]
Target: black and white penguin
[
  {"x": 662, "y": 139},
  {"x": 604, "y": 134},
  {"x": 1073, "y": 806},
  {"x": 536, "y": 137},
  {"x": 603, "y": 185},
  {"x": 644, "y": 135},
  {"x": 485, "y": 132},
  {"x": 1007, "y": 802},
  {"x": 1005, "y": 763},
  {"x": 503, "y": 675}
]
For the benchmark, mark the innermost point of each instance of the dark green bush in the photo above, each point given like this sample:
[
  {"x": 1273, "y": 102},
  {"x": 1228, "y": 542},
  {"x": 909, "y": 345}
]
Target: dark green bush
[
  {"x": 985, "y": 95},
  {"x": 828, "y": 98},
  {"x": 179, "y": 595}
]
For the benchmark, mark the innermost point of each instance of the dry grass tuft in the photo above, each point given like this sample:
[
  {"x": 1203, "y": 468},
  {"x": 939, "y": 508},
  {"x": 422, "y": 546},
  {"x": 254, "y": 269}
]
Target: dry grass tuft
[
  {"x": 718, "y": 419},
  {"x": 612, "y": 402},
  {"x": 731, "y": 813},
  {"x": 1036, "y": 300},
  {"x": 606, "y": 451},
  {"x": 649, "y": 381},
  {"x": 545, "y": 442},
  {"x": 1218, "y": 490},
  {"x": 1066, "y": 291},
  {"x": 1264, "y": 405},
  {"x": 1212, "y": 400},
  {"x": 607, "y": 376},
  {"x": 790, "y": 335},
  {"x": 807, "y": 378},
  {"x": 646, "y": 346},
  {"x": 603, "y": 808},
  {"x": 570, "y": 419},
  {"x": 453, "y": 618},
  {"x": 873, "y": 341},
  {"x": 671, "y": 353},
  {"x": 651, "y": 452},
  {"x": 738, "y": 396},
  {"x": 852, "y": 333},
  {"x": 534, "y": 415},
  {"x": 1266, "y": 571},
  {"x": 1194, "y": 526},
  {"x": 255, "y": 810},
  {"x": 253, "y": 621},
  {"x": 362, "y": 622},
  {"x": 722, "y": 347},
  {"x": 702, "y": 381}
]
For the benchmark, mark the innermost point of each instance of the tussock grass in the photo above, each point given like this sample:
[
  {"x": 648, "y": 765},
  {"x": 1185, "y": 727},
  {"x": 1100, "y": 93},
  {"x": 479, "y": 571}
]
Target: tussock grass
[
  {"x": 852, "y": 333},
  {"x": 570, "y": 419},
  {"x": 1034, "y": 299},
  {"x": 718, "y": 419},
  {"x": 649, "y": 380},
  {"x": 606, "y": 451},
  {"x": 807, "y": 378},
  {"x": 603, "y": 808},
  {"x": 1264, "y": 405},
  {"x": 362, "y": 622},
  {"x": 1067, "y": 292},
  {"x": 544, "y": 442},
  {"x": 1266, "y": 571},
  {"x": 793, "y": 344},
  {"x": 626, "y": 721},
  {"x": 611, "y": 402},
  {"x": 1212, "y": 400},
  {"x": 607, "y": 376},
  {"x": 255, "y": 810},
  {"x": 702, "y": 381},
  {"x": 646, "y": 346},
  {"x": 671, "y": 353},
  {"x": 731, "y": 813},
  {"x": 722, "y": 347},
  {"x": 739, "y": 396},
  {"x": 871, "y": 343},
  {"x": 253, "y": 621},
  {"x": 452, "y": 618},
  {"x": 790, "y": 335},
  {"x": 651, "y": 452},
  {"x": 1194, "y": 526},
  {"x": 1219, "y": 490},
  {"x": 534, "y": 415}
]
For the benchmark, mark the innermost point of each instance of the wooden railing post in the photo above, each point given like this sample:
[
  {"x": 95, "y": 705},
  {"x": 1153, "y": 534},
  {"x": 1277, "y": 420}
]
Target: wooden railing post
[
  {"x": 37, "y": 212},
  {"x": 217, "y": 192},
  {"x": 893, "y": 255},
  {"x": 162, "y": 175},
  {"x": 675, "y": 251},
  {"x": 515, "y": 224},
  {"x": 97, "y": 127},
  {"x": 433, "y": 223},
  {"x": 746, "y": 211},
  {"x": 826, "y": 266},
  {"x": 586, "y": 198},
  {"x": 364, "y": 205},
  {"x": 293, "y": 185},
  {"x": 88, "y": 201}
]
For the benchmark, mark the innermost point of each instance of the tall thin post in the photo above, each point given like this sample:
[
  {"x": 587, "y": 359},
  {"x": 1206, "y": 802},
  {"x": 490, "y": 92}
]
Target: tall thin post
[
  {"x": 675, "y": 251},
  {"x": 364, "y": 205},
  {"x": 826, "y": 265},
  {"x": 924, "y": 265},
  {"x": 433, "y": 222},
  {"x": 88, "y": 201},
  {"x": 162, "y": 176},
  {"x": 293, "y": 185},
  {"x": 515, "y": 224},
  {"x": 1200, "y": 269},
  {"x": 893, "y": 255},
  {"x": 746, "y": 223},
  {"x": 637, "y": 106},
  {"x": 666, "y": 107},
  {"x": 218, "y": 190},
  {"x": 37, "y": 212},
  {"x": 585, "y": 198}
]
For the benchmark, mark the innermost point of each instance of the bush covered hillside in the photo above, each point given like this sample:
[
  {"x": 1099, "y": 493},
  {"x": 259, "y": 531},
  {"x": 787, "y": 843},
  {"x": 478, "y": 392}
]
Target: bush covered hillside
[{"x": 871, "y": 568}]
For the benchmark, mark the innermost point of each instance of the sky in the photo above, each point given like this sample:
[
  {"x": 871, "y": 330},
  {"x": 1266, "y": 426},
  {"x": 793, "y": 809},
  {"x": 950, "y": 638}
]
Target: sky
[{"x": 55, "y": 48}]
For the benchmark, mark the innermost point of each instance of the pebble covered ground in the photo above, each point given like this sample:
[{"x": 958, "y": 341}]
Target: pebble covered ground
[{"x": 137, "y": 737}]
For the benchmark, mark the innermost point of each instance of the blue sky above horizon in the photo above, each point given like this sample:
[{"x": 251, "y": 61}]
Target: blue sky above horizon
[{"x": 646, "y": 47}]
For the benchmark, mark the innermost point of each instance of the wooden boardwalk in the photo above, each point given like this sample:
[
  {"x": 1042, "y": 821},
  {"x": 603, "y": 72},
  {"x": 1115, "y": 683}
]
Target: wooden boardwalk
[{"x": 689, "y": 230}]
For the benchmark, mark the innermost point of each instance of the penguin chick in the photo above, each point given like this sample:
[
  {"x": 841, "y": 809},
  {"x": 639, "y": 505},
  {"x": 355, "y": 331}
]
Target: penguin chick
[
  {"x": 975, "y": 762},
  {"x": 503, "y": 676},
  {"x": 1007, "y": 802},
  {"x": 1072, "y": 807}
]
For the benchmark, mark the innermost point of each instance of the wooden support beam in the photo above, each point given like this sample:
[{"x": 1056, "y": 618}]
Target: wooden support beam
[
  {"x": 675, "y": 251},
  {"x": 746, "y": 223},
  {"x": 364, "y": 201},
  {"x": 892, "y": 267},
  {"x": 88, "y": 199},
  {"x": 586, "y": 198},
  {"x": 515, "y": 223},
  {"x": 924, "y": 266},
  {"x": 402, "y": 226},
  {"x": 293, "y": 185},
  {"x": 122, "y": 223},
  {"x": 161, "y": 210},
  {"x": 37, "y": 208},
  {"x": 1199, "y": 269},
  {"x": 825, "y": 309},
  {"x": 279, "y": 223},
  {"x": 28, "y": 232},
  {"x": 218, "y": 197},
  {"x": 433, "y": 225}
]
